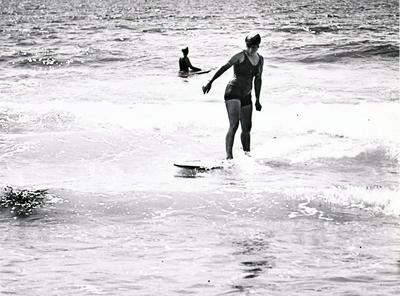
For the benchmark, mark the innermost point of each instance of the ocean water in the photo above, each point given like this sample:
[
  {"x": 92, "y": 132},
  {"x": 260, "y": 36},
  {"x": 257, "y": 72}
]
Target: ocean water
[{"x": 92, "y": 109}]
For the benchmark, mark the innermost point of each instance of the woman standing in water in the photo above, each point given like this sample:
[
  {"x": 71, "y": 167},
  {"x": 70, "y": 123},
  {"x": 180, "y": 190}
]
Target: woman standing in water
[{"x": 247, "y": 64}]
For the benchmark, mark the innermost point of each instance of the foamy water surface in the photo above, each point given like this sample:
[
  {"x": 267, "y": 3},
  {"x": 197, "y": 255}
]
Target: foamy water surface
[{"x": 92, "y": 109}]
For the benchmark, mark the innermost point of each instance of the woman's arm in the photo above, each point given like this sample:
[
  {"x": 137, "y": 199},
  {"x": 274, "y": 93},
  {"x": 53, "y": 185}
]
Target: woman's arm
[
  {"x": 191, "y": 66},
  {"x": 221, "y": 71},
  {"x": 257, "y": 85}
]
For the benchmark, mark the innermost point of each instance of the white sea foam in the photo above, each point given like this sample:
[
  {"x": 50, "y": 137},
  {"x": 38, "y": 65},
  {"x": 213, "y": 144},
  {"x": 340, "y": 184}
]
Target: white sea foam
[{"x": 92, "y": 108}]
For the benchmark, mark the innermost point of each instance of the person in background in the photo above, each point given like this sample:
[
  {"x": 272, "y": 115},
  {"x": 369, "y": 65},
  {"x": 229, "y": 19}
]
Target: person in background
[
  {"x": 184, "y": 62},
  {"x": 247, "y": 67}
]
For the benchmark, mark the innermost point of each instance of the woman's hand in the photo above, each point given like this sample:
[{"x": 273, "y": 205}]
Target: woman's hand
[
  {"x": 258, "y": 105},
  {"x": 207, "y": 87}
]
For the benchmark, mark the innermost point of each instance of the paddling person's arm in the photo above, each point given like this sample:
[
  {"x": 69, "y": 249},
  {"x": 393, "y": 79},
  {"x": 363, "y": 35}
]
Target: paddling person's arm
[
  {"x": 257, "y": 85},
  {"x": 221, "y": 71},
  {"x": 191, "y": 66}
]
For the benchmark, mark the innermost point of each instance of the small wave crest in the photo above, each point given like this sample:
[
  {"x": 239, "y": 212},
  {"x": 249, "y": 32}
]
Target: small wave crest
[
  {"x": 314, "y": 29},
  {"x": 50, "y": 62},
  {"x": 382, "y": 161},
  {"x": 367, "y": 180},
  {"x": 371, "y": 199},
  {"x": 42, "y": 62},
  {"x": 353, "y": 51},
  {"x": 380, "y": 158},
  {"x": 29, "y": 58},
  {"x": 12, "y": 121}
]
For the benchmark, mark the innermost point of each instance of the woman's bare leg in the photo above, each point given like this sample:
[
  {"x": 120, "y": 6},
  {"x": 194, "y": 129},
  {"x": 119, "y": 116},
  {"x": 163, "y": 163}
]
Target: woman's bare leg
[
  {"x": 233, "y": 109},
  {"x": 245, "y": 122}
]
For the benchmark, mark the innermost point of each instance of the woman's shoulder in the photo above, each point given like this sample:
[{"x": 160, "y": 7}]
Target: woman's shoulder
[
  {"x": 240, "y": 54},
  {"x": 238, "y": 57}
]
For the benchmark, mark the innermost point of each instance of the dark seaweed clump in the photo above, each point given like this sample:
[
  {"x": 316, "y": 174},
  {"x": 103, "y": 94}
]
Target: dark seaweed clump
[{"x": 22, "y": 202}]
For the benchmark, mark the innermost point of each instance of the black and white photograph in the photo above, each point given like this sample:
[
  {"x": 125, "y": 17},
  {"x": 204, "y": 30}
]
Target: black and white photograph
[{"x": 199, "y": 147}]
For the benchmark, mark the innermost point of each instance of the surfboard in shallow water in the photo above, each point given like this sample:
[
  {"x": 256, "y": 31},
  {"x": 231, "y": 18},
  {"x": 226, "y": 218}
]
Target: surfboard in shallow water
[
  {"x": 198, "y": 166},
  {"x": 185, "y": 74}
]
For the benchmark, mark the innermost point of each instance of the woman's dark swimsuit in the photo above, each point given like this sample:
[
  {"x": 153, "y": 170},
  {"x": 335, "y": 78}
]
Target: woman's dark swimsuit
[
  {"x": 239, "y": 88},
  {"x": 184, "y": 64}
]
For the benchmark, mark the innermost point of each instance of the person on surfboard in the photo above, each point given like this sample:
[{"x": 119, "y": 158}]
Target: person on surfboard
[
  {"x": 247, "y": 66},
  {"x": 184, "y": 62}
]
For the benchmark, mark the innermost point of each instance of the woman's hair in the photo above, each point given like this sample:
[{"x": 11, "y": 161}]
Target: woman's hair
[
  {"x": 253, "y": 39},
  {"x": 185, "y": 50}
]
